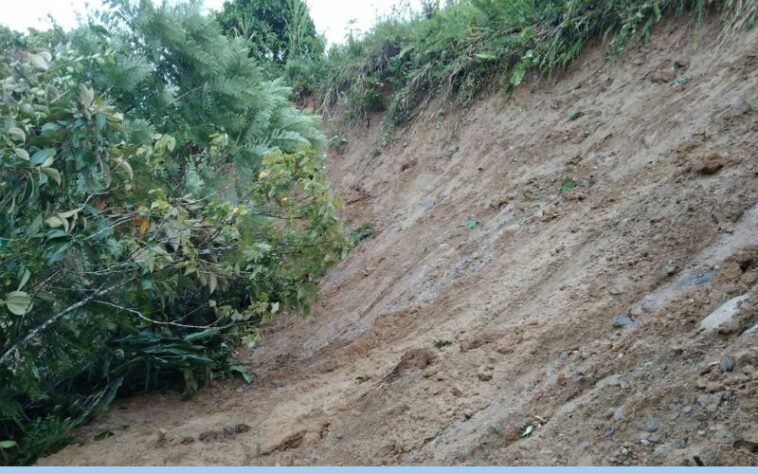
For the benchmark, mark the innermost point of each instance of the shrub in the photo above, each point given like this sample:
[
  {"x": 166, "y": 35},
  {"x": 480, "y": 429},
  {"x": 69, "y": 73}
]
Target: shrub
[{"x": 459, "y": 50}]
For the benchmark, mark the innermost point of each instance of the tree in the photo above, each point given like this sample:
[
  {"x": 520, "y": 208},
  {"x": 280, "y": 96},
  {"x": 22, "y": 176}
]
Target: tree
[{"x": 279, "y": 30}]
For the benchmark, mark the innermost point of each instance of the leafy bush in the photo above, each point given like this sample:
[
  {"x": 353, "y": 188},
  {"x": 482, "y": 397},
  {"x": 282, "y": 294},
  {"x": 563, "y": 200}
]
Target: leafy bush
[{"x": 159, "y": 199}]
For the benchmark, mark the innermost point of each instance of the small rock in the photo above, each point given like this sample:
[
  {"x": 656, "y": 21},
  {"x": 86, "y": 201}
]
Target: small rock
[
  {"x": 664, "y": 76},
  {"x": 724, "y": 313},
  {"x": 669, "y": 270},
  {"x": 468, "y": 413},
  {"x": 456, "y": 391},
  {"x": 497, "y": 428},
  {"x": 663, "y": 449},
  {"x": 622, "y": 320},
  {"x": 687, "y": 409},
  {"x": 726, "y": 364},
  {"x": 431, "y": 371},
  {"x": 618, "y": 414},
  {"x": 674, "y": 415},
  {"x": 484, "y": 373},
  {"x": 651, "y": 425},
  {"x": 710, "y": 402},
  {"x": 609, "y": 432},
  {"x": 564, "y": 355},
  {"x": 710, "y": 164}
]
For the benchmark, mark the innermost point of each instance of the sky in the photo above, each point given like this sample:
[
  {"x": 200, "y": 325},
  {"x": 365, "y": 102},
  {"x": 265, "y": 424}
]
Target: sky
[{"x": 332, "y": 17}]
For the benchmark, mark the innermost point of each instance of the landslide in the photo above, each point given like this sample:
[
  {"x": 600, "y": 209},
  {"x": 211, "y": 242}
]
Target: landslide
[{"x": 534, "y": 293}]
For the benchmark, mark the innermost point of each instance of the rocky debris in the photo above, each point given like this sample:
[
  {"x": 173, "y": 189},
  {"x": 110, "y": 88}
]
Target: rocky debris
[
  {"x": 725, "y": 313},
  {"x": 669, "y": 270},
  {"x": 478, "y": 342},
  {"x": 709, "y": 164},
  {"x": 291, "y": 441},
  {"x": 664, "y": 76},
  {"x": 485, "y": 373},
  {"x": 748, "y": 439},
  {"x": 224, "y": 434},
  {"x": 651, "y": 425},
  {"x": 468, "y": 413},
  {"x": 726, "y": 364},
  {"x": 618, "y": 414},
  {"x": 710, "y": 402},
  {"x": 456, "y": 390},
  {"x": 622, "y": 321},
  {"x": 412, "y": 359}
]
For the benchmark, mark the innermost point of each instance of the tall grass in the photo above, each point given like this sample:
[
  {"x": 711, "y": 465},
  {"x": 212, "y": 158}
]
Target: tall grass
[{"x": 459, "y": 50}]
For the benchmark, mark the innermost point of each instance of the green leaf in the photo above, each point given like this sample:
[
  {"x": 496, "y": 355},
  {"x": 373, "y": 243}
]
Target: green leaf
[
  {"x": 9, "y": 443},
  {"x": 38, "y": 61},
  {"x": 24, "y": 279},
  {"x": 86, "y": 96},
  {"x": 42, "y": 156},
  {"x": 17, "y": 134},
  {"x": 18, "y": 302},
  {"x": 54, "y": 222},
  {"x": 517, "y": 76},
  {"x": 21, "y": 153},
  {"x": 52, "y": 173},
  {"x": 486, "y": 56},
  {"x": 242, "y": 371},
  {"x": 126, "y": 167}
]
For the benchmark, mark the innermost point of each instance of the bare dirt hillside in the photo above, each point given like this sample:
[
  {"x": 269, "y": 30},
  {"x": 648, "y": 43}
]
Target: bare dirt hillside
[{"x": 494, "y": 320}]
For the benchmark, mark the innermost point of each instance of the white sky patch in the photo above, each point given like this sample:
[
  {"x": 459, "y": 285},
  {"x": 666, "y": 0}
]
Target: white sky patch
[{"x": 334, "y": 18}]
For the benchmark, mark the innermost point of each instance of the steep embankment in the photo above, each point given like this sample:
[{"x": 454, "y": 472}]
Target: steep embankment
[{"x": 441, "y": 342}]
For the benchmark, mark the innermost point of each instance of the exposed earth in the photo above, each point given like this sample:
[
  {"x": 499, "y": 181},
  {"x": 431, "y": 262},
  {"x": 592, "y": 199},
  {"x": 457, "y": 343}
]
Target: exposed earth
[{"x": 564, "y": 276}]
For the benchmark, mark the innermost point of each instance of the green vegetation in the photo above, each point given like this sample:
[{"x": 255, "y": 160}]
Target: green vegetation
[
  {"x": 363, "y": 232},
  {"x": 159, "y": 200},
  {"x": 281, "y": 35},
  {"x": 457, "y": 51},
  {"x": 567, "y": 186},
  {"x": 442, "y": 343}
]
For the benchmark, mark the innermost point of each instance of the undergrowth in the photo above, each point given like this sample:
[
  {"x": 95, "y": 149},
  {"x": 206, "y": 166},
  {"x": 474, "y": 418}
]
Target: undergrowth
[{"x": 469, "y": 45}]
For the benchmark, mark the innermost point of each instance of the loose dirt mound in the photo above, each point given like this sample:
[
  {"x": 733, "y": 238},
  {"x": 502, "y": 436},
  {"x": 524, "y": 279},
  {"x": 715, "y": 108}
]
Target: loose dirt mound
[{"x": 495, "y": 320}]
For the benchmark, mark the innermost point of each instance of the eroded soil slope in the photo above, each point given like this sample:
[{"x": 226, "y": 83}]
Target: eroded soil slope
[{"x": 494, "y": 320}]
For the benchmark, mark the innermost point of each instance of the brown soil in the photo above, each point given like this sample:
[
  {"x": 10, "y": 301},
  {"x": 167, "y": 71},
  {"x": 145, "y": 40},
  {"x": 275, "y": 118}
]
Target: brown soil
[{"x": 436, "y": 343}]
